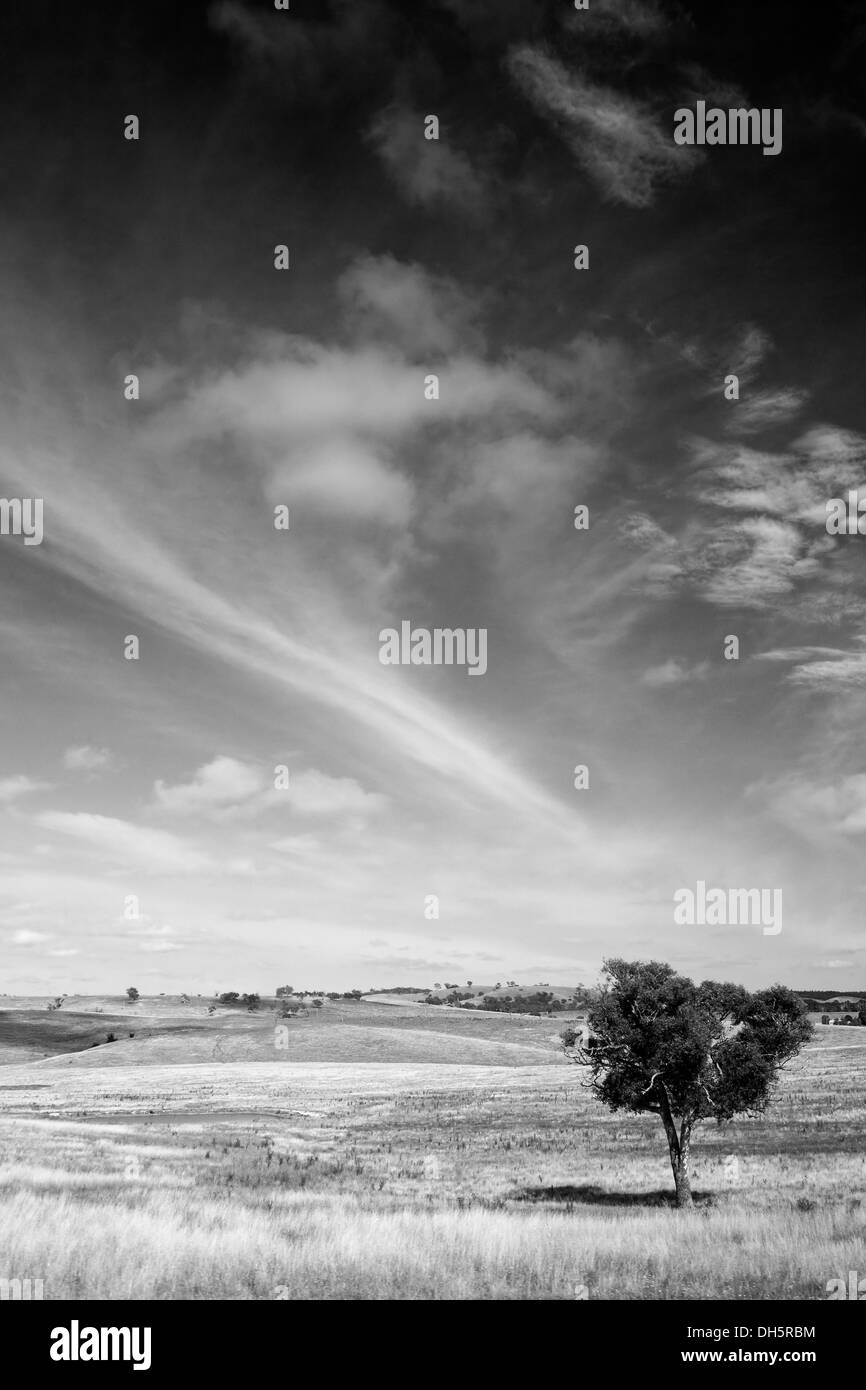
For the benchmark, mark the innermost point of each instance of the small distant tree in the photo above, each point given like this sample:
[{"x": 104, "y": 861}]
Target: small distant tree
[
  {"x": 230, "y": 997},
  {"x": 283, "y": 990},
  {"x": 659, "y": 1044},
  {"x": 317, "y": 1003},
  {"x": 132, "y": 994},
  {"x": 251, "y": 1001}
]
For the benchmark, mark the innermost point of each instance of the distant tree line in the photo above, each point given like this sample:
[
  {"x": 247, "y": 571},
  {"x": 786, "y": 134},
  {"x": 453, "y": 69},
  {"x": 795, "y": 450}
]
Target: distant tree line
[
  {"x": 288, "y": 991},
  {"x": 850, "y": 1013},
  {"x": 830, "y": 997},
  {"x": 400, "y": 989},
  {"x": 539, "y": 1002}
]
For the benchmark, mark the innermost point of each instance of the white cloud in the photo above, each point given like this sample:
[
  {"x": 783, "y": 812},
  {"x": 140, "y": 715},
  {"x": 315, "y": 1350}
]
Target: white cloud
[
  {"x": 617, "y": 139},
  {"x": 119, "y": 840},
  {"x": 674, "y": 672},
  {"x": 226, "y": 789},
  {"x": 748, "y": 353},
  {"x": 750, "y": 563},
  {"x": 427, "y": 171},
  {"x": 421, "y": 312},
  {"x": 345, "y": 476},
  {"x": 314, "y": 793},
  {"x": 640, "y": 19},
  {"x": 218, "y": 784},
  {"x": 765, "y": 409},
  {"x": 86, "y": 759},
  {"x": 25, "y": 937},
  {"x": 13, "y": 787},
  {"x": 816, "y": 810}
]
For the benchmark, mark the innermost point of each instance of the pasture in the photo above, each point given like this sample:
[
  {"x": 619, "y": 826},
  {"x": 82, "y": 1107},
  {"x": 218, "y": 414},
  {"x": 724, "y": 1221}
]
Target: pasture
[{"x": 406, "y": 1153}]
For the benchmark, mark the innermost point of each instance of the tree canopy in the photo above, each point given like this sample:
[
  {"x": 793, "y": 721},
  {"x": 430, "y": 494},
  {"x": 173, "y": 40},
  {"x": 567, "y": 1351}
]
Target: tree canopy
[{"x": 658, "y": 1043}]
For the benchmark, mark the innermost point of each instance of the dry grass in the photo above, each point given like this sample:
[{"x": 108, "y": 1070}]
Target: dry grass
[
  {"x": 359, "y": 1181},
  {"x": 158, "y": 1244},
  {"x": 345, "y": 1031}
]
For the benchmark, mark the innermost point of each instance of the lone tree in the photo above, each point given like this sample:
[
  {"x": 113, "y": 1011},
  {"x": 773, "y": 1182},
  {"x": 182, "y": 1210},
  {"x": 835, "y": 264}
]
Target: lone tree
[
  {"x": 657, "y": 1042},
  {"x": 132, "y": 994}
]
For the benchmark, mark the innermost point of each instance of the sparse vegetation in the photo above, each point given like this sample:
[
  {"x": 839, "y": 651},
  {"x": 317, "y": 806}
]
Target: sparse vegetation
[
  {"x": 535, "y": 1188},
  {"x": 432, "y": 1175}
]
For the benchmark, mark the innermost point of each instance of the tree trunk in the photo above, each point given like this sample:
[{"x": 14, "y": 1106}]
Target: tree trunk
[
  {"x": 682, "y": 1181},
  {"x": 680, "y": 1146}
]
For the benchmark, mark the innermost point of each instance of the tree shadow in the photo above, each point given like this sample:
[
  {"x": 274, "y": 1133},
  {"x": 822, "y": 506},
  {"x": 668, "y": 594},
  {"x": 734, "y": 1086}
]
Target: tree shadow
[{"x": 589, "y": 1195}]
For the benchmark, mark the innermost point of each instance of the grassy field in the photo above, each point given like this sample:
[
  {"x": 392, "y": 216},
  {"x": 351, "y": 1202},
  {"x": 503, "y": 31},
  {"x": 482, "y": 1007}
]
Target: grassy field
[{"x": 143, "y": 1169}]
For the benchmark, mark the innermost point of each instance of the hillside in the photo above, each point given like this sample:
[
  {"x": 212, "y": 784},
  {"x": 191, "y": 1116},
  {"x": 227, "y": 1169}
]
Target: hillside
[{"x": 345, "y": 1031}]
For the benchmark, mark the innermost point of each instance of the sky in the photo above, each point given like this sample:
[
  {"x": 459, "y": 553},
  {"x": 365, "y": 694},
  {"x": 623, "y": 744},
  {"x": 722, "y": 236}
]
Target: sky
[{"x": 148, "y": 786}]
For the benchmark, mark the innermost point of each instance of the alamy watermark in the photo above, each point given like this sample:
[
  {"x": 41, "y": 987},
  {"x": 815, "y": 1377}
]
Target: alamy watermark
[
  {"x": 22, "y": 516},
  {"x": 855, "y": 1289},
  {"x": 737, "y": 125},
  {"x": 846, "y": 519},
  {"x": 718, "y": 907},
  {"x": 26, "y": 1290},
  {"x": 444, "y": 646},
  {"x": 77, "y": 1343}
]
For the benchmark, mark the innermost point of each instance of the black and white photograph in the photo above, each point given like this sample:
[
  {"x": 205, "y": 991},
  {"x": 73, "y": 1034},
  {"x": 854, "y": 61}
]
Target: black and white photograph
[{"x": 433, "y": 663}]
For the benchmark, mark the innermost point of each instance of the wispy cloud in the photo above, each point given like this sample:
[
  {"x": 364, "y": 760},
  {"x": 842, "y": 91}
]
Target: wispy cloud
[
  {"x": 227, "y": 789},
  {"x": 11, "y": 788},
  {"x": 84, "y": 758},
  {"x": 674, "y": 672},
  {"x": 619, "y": 140},
  {"x": 817, "y": 809},
  {"x": 25, "y": 937},
  {"x": 426, "y": 171},
  {"x": 156, "y": 851}
]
